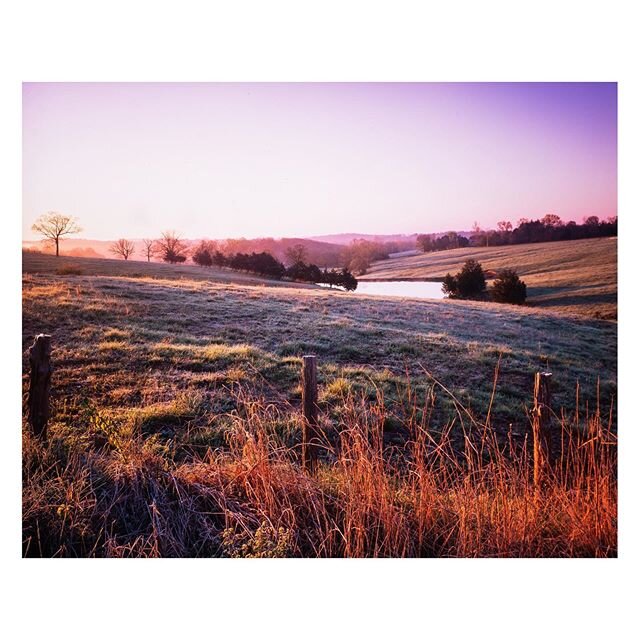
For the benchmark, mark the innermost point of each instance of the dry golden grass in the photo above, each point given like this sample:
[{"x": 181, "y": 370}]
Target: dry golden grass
[{"x": 113, "y": 492}]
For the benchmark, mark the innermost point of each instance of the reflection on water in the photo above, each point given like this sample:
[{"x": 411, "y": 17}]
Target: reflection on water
[{"x": 402, "y": 289}]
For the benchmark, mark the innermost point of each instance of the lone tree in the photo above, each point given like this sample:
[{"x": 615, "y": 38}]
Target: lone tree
[
  {"x": 149, "y": 248},
  {"x": 123, "y": 248},
  {"x": 171, "y": 247},
  {"x": 507, "y": 287},
  {"x": 469, "y": 282},
  {"x": 296, "y": 253},
  {"x": 53, "y": 226}
]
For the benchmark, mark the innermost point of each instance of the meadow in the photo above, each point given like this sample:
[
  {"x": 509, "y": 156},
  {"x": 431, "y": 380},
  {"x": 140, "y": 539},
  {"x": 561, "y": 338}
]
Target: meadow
[
  {"x": 175, "y": 428},
  {"x": 577, "y": 276}
]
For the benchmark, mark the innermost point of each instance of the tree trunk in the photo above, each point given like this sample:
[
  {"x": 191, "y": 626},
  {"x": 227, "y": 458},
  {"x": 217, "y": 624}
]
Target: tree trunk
[{"x": 57, "y": 247}]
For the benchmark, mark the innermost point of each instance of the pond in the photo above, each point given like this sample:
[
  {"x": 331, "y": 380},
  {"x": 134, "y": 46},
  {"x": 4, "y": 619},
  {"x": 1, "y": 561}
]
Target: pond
[{"x": 400, "y": 289}]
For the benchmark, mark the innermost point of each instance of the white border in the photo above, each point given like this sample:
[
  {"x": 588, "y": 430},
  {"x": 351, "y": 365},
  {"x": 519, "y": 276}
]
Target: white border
[{"x": 348, "y": 41}]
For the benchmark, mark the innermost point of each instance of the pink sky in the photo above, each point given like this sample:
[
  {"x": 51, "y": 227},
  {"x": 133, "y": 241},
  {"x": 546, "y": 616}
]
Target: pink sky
[{"x": 228, "y": 160}]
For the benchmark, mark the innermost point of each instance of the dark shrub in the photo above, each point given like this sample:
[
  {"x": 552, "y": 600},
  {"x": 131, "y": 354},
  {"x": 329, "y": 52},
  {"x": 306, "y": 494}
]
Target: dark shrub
[
  {"x": 202, "y": 255},
  {"x": 219, "y": 259},
  {"x": 304, "y": 272},
  {"x": 450, "y": 285},
  {"x": 348, "y": 280},
  {"x": 507, "y": 287},
  {"x": 263, "y": 263},
  {"x": 469, "y": 282}
]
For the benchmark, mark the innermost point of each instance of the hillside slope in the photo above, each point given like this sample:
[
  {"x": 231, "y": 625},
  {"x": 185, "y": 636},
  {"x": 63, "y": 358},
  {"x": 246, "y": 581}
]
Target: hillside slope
[
  {"x": 175, "y": 325},
  {"x": 577, "y": 276},
  {"x": 45, "y": 263},
  {"x": 175, "y": 427}
]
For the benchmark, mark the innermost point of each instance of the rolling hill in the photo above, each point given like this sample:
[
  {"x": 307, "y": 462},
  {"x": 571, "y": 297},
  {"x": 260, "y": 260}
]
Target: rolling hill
[{"x": 577, "y": 276}]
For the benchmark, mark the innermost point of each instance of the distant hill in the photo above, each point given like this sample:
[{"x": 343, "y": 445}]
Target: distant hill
[
  {"x": 79, "y": 247},
  {"x": 324, "y": 254},
  {"x": 348, "y": 238}
]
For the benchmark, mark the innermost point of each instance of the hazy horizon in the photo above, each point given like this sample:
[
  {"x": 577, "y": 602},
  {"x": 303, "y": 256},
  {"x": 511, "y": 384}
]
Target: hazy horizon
[{"x": 303, "y": 160}]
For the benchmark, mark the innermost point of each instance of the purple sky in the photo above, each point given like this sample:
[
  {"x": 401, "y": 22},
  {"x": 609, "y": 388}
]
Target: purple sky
[{"x": 222, "y": 160}]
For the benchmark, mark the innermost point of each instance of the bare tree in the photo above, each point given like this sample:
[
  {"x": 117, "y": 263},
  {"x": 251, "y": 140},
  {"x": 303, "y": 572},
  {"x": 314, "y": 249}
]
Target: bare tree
[
  {"x": 171, "y": 247},
  {"x": 149, "y": 248},
  {"x": 296, "y": 253},
  {"x": 504, "y": 225},
  {"x": 123, "y": 248},
  {"x": 53, "y": 226}
]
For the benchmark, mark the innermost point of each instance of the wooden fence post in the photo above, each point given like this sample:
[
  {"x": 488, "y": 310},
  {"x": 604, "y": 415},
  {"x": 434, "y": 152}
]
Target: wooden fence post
[
  {"x": 40, "y": 384},
  {"x": 310, "y": 433},
  {"x": 541, "y": 427}
]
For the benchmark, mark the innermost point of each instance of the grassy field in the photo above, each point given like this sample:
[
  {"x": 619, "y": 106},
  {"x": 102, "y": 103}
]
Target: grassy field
[
  {"x": 176, "y": 420},
  {"x": 578, "y": 276},
  {"x": 34, "y": 262}
]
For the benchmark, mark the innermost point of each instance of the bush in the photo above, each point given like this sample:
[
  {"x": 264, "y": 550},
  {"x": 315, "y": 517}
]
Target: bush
[
  {"x": 304, "y": 272},
  {"x": 203, "y": 253},
  {"x": 469, "y": 282},
  {"x": 450, "y": 285},
  {"x": 335, "y": 278},
  {"x": 262, "y": 263},
  {"x": 202, "y": 258},
  {"x": 507, "y": 287}
]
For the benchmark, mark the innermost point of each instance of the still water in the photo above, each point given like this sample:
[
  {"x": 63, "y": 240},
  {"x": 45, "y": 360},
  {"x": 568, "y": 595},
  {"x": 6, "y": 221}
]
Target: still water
[{"x": 401, "y": 289}]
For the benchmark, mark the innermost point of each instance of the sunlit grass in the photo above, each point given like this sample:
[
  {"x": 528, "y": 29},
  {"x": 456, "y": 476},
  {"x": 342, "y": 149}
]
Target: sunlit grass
[{"x": 175, "y": 426}]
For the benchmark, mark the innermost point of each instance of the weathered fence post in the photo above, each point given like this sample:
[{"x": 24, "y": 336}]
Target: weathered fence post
[
  {"x": 541, "y": 426},
  {"x": 40, "y": 384},
  {"x": 310, "y": 433}
]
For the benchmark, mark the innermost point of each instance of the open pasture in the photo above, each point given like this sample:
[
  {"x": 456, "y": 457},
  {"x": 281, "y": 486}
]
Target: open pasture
[
  {"x": 175, "y": 427},
  {"x": 577, "y": 276}
]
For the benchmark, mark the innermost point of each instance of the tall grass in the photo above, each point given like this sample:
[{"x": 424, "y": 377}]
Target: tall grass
[{"x": 118, "y": 492}]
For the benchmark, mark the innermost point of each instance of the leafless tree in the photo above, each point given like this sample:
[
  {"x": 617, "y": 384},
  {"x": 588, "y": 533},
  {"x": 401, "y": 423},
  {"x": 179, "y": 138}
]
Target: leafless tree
[
  {"x": 504, "y": 225},
  {"x": 53, "y": 226},
  {"x": 149, "y": 248},
  {"x": 296, "y": 253},
  {"x": 171, "y": 247},
  {"x": 123, "y": 248}
]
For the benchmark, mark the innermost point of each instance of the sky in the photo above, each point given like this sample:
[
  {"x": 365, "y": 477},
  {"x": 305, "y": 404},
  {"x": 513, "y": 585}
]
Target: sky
[{"x": 229, "y": 160}]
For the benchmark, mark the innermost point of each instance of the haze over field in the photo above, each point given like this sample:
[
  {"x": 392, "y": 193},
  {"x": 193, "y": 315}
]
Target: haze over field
[{"x": 230, "y": 160}]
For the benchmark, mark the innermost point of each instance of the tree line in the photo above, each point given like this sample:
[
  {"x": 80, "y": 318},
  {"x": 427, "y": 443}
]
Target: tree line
[
  {"x": 171, "y": 248},
  {"x": 207, "y": 254},
  {"x": 549, "y": 228}
]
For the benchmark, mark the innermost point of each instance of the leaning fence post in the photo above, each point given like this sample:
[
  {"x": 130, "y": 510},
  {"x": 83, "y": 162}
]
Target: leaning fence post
[
  {"x": 310, "y": 434},
  {"x": 39, "y": 384},
  {"x": 541, "y": 426}
]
